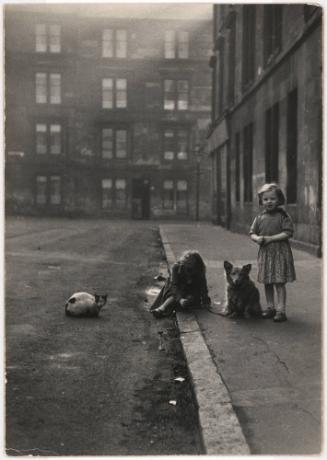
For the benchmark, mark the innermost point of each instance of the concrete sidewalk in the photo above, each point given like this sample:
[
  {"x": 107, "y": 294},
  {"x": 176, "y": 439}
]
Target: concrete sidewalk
[{"x": 257, "y": 383}]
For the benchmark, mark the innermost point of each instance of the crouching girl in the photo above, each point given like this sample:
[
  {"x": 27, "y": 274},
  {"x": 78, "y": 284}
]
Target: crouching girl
[{"x": 185, "y": 288}]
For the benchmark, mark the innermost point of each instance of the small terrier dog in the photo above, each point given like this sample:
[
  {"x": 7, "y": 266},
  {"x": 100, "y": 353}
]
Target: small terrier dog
[
  {"x": 242, "y": 296},
  {"x": 83, "y": 304}
]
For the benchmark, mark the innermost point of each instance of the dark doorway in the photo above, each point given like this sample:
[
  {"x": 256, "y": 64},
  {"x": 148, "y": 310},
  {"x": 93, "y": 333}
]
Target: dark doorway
[{"x": 141, "y": 199}]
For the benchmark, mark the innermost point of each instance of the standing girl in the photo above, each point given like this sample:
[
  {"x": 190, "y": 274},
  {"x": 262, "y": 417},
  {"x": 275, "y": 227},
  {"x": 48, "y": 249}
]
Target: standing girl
[{"x": 271, "y": 230}]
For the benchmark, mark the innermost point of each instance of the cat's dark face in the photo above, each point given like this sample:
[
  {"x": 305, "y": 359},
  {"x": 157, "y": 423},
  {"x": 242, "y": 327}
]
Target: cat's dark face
[{"x": 100, "y": 300}]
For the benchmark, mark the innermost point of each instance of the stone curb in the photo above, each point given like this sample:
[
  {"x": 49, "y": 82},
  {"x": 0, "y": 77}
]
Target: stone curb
[{"x": 221, "y": 430}]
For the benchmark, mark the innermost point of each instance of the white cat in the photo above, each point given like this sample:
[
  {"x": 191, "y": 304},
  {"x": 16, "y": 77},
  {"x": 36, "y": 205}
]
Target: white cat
[{"x": 85, "y": 304}]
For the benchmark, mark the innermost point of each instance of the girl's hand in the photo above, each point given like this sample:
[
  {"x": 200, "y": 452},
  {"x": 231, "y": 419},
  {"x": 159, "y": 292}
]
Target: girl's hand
[
  {"x": 267, "y": 240},
  {"x": 260, "y": 240},
  {"x": 183, "y": 302}
]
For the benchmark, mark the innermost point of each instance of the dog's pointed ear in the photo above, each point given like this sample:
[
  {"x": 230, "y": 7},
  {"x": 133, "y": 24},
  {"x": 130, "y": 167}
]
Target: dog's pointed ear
[
  {"x": 227, "y": 266},
  {"x": 247, "y": 268}
]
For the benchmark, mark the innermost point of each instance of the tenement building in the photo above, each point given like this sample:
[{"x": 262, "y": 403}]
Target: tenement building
[
  {"x": 106, "y": 112},
  {"x": 267, "y": 113}
]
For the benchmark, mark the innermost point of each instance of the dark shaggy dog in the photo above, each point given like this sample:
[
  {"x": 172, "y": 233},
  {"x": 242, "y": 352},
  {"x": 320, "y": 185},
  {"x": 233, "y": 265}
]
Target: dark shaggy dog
[{"x": 242, "y": 297}]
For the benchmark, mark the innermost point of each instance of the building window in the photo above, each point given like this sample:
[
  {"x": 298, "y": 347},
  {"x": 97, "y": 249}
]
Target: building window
[
  {"x": 41, "y": 138},
  {"x": 248, "y": 162},
  {"x": 107, "y": 143},
  {"x": 41, "y": 38},
  {"x": 176, "y": 44},
  {"x": 55, "y": 190},
  {"x": 41, "y": 88},
  {"x": 231, "y": 61},
  {"x": 292, "y": 140},
  {"x": 41, "y": 190},
  {"x": 176, "y": 142},
  {"x": 47, "y": 88},
  {"x": 176, "y": 95},
  {"x": 182, "y": 94},
  {"x": 215, "y": 90},
  {"x": 175, "y": 196},
  {"x": 47, "y": 38},
  {"x": 48, "y": 139},
  {"x": 170, "y": 44},
  {"x": 107, "y": 43},
  {"x": 114, "y": 143},
  {"x": 221, "y": 72},
  {"x": 182, "y": 144},
  {"x": 169, "y": 103},
  {"x": 48, "y": 190},
  {"x": 107, "y": 194},
  {"x": 273, "y": 18},
  {"x": 114, "y": 194},
  {"x": 121, "y": 43},
  {"x": 169, "y": 144},
  {"x": 168, "y": 194},
  {"x": 55, "y": 139},
  {"x": 121, "y": 93},
  {"x": 114, "y": 93},
  {"x": 121, "y": 143},
  {"x": 237, "y": 167},
  {"x": 114, "y": 43},
  {"x": 107, "y": 93},
  {"x": 248, "y": 44},
  {"x": 183, "y": 45},
  {"x": 181, "y": 196},
  {"x": 55, "y": 88},
  {"x": 272, "y": 143},
  {"x": 120, "y": 193}
]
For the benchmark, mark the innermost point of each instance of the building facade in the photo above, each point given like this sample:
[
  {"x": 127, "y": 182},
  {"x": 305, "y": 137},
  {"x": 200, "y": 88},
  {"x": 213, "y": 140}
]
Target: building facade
[
  {"x": 267, "y": 114},
  {"x": 105, "y": 115}
]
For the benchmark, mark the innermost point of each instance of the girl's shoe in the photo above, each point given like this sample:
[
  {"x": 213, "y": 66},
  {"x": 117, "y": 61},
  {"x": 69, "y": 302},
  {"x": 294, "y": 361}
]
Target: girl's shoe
[
  {"x": 280, "y": 317},
  {"x": 162, "y": 312},
  {"x": 269, "y": 313},
  {"x": 159, "y": 313}
]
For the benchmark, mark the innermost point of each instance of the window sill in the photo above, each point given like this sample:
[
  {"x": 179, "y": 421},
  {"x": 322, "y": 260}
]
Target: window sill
[
  {"x": 48, "y": 53},
  {"x": 49, "y": 155},
  {"x": 48, "y": 104}
]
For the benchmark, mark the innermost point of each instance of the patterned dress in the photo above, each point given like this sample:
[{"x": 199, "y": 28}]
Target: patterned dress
[{"x": 275, "y": 260}]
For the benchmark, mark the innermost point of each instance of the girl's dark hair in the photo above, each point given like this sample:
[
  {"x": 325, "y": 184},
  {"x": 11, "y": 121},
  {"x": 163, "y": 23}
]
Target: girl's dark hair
[
  {"x": 269, "y": 188},
  {"x": 193, "y": 261}
]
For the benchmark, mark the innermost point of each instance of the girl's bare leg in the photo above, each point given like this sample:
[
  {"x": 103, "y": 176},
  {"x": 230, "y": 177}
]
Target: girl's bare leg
[
  {"x": 166, "y": 307},
  {"x": 269, "y": 291},
  {"x": 281, "y": 297}
]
